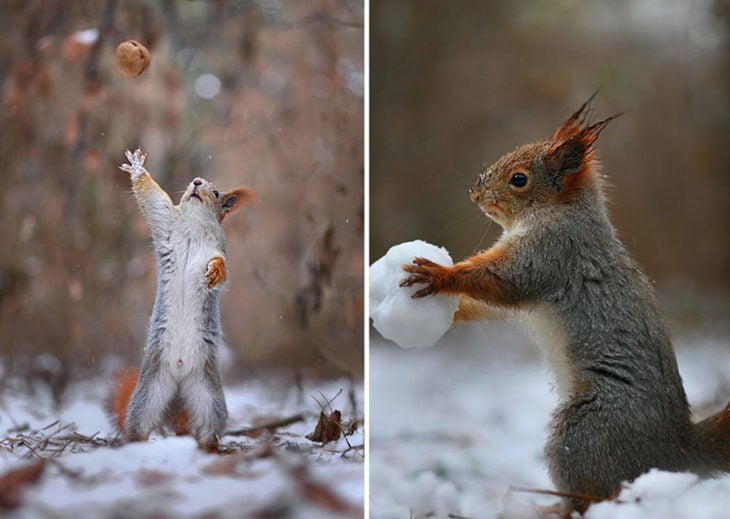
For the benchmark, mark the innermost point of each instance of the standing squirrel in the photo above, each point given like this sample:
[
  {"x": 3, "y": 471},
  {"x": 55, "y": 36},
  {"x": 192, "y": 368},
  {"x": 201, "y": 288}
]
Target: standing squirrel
[
  {"x": 560, "y": 266},
  {"x": 178, "y": 386}
]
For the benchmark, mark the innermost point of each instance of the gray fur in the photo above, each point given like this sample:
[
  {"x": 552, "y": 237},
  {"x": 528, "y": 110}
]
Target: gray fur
[{"x": 627, "y": 411}]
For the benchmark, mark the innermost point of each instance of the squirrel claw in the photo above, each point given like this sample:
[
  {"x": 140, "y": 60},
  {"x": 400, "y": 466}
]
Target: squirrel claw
[
  {"x": 429, "y": 290},
  {"x": 421, "y": 271},
  {"x": 136, "y": 164}
]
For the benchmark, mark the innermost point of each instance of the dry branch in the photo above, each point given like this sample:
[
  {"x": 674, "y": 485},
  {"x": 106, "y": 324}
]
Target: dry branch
[{"x": 256, "y": 430}]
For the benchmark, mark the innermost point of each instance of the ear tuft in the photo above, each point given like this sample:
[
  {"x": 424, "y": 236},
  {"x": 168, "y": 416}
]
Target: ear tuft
[
  {"x": 235, "y": 199},
  {"x": 573, "y": 125}
]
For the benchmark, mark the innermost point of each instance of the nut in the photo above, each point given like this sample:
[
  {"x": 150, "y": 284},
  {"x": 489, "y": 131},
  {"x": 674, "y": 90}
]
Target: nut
[{"x": 133, "y": 58}]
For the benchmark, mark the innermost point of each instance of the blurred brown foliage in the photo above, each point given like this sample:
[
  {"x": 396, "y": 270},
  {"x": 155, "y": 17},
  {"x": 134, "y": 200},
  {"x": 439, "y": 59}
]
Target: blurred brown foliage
[
  {"x": 77, "y": 276},
  {"x": 455, "y": 85}
]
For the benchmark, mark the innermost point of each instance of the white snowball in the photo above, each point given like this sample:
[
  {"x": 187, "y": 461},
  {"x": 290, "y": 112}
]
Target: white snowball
[{"x": 405, "y": 321}]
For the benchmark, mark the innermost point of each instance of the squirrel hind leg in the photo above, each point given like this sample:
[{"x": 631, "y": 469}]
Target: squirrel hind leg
[
  {"x": 205, "y": 402},
  {"x": 148, "y": 404}
]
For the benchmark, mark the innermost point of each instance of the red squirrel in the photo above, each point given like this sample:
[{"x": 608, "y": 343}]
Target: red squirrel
[
  {"x": 178, "y": 386},
  {"x": 560, "y": 267}
]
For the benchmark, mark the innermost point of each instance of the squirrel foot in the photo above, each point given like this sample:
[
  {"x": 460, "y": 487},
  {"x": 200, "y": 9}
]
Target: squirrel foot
[
  {"x": 136, "y": 164},
  {"x": 422, "y": 271},
  {"x": 212, "y": 446},
  {"x": 216, "y": 272}
]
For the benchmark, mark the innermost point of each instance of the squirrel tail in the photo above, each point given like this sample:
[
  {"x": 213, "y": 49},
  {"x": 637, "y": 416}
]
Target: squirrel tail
[
  {"x": 712, "y": 444},
  {"x": 123, "y": 384}
]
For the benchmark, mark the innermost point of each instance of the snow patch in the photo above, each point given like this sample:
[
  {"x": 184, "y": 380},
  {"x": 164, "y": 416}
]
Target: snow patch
[
  {"x": 170, "y": 476},
  {"x": 658, "y": 494}
]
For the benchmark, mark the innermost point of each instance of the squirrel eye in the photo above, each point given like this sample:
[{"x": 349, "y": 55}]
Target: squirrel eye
[
  {"x": 215, "y": 193},
  {"x": 518, "y": 180}
]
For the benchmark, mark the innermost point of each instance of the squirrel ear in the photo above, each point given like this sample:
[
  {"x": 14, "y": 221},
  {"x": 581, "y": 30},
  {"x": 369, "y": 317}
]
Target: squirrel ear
[
  {"x": 235, "y": 199},
  {"x": 568, "y": 157}
]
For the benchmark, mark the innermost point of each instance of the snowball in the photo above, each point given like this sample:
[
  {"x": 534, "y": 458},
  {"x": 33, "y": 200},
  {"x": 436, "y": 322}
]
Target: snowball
[{"x": 409, "y": 322}]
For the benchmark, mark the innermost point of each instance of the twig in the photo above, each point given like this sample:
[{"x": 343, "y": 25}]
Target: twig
[
  {"x": 328, "y": 403},
  {"x": 270, "y": 425},
  {"x": 352, "y": 448},
  {"x": 54, "y": 443}
]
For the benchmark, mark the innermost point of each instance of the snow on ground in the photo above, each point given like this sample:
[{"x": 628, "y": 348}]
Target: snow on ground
[
  {"x": 279, "y": 474},
  {"x": 454, "y": 427}
]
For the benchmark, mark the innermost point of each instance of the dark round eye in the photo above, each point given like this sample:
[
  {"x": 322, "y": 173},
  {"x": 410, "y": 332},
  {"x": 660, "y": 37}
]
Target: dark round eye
[
  {"x": 215, "y": 193},
  {"x": 518, "y": 180}
]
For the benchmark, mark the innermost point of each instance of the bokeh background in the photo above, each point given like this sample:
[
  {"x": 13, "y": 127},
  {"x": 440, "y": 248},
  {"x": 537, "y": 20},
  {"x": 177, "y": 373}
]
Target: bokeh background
[
  {"x": 455, "y": 85},
  {"x": 258, "y": 92}
]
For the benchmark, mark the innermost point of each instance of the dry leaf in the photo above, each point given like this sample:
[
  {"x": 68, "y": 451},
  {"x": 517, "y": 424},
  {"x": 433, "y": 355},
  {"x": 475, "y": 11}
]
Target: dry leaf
[
  {"x": 14, "y": 481},
  {"x": 328, "y": 428}
]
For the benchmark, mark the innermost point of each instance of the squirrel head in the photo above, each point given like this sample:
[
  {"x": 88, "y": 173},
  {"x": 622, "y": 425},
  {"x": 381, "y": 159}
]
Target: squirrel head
[
  {"x": 202, "y": 194},
  {"x": 543, "y": 173}
]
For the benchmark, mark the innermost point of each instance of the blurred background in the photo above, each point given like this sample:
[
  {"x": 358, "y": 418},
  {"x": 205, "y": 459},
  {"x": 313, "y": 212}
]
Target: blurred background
[
  {"x": 258, "y": 92},
  {"x": 455, "y": 85}
]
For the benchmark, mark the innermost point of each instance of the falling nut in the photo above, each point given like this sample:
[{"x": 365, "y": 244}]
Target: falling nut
[{"x": 133, "y": 58}]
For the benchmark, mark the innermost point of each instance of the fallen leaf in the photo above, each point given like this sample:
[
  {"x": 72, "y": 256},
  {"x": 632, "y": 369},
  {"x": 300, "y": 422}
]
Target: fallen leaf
[
  {"x": 328, "y": 428},
  {"x": 14, "y": 481}
]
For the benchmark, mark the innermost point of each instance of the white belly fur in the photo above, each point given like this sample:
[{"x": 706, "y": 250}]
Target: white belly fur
[
  {"x": 183, "y": 349},
  {"x": 545, "y": 329}
]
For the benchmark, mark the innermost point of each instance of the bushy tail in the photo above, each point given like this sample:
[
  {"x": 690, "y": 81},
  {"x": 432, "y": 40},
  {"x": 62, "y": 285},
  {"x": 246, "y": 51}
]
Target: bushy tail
[
  {"x": 123, "y": 383},
  {"x": 712, "y": 444}
]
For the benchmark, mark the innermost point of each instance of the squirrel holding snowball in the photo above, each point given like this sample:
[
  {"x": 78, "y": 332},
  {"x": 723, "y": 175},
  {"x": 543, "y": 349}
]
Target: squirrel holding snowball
[
  {"x": 560, "y": 266},
  {"x": 178, "y": 386}
]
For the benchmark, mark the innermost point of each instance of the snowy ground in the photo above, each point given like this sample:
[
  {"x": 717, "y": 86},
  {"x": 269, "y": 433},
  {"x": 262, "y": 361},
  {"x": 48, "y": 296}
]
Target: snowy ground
[
  {"x": 271, "y": 474},
  {"x": 454, "y": 427}
]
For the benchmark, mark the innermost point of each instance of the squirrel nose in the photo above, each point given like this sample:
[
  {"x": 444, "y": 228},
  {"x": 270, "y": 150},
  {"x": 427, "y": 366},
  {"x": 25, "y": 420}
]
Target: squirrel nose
[{"x": 197, "y": 182}]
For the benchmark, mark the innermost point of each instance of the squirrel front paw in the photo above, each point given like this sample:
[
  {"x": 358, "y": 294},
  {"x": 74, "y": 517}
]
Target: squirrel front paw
[
  {"x": 136, "y": 164},
  {"x": 216, "y": 272},
  {"x": 422, "y": 271}
]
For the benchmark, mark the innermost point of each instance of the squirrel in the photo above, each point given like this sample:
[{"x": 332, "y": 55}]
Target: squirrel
[
  {"x": 178, "y": 385},
  {"x": 561, "y": 268}
]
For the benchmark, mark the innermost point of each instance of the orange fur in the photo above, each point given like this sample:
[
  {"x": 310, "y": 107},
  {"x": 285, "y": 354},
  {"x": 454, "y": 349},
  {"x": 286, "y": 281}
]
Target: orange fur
[
  {"x": 474, "y": 310},
  {"x": 244, "y": 196},
  {"x": 123, "y": 383},
  {"x": 216, "y": 271},
  {"x": 472, "y": 277}
]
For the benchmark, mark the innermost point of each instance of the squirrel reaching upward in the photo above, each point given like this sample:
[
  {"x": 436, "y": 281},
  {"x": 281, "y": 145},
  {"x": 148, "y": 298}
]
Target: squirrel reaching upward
[
  {"x": 178, "y": 385},
  {"x": 560, "y": 266}
]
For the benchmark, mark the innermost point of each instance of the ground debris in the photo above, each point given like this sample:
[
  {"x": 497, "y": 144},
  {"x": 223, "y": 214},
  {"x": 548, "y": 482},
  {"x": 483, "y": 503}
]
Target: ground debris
[
  {"x": 53, "y": 440},
  {"x": 15, "y": 480},
  {"x": 266, "y": 426},
  {"x": 328, "y": 428}
]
